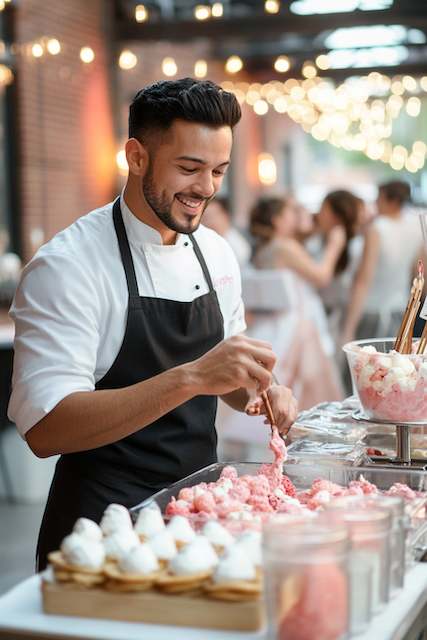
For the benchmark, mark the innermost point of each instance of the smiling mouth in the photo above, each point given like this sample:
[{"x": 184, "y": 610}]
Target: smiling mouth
[{"x": 190, "y": 203}]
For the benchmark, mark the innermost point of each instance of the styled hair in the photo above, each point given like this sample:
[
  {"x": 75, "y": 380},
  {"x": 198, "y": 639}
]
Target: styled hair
[
  {"x": 158, "y": 105},
  {"x": 262, "y": 217},
  {"x": 396, "y": 190},
  {"x": 346, "y": 207}
]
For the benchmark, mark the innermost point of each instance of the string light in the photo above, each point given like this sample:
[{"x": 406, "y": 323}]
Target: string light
[
  {"x": 323, "y": 62},
  {"x": 87, "y": 55},
  {"x": 356, "y": 115},
  {"x": 234, "y": 64},
  {"x": 169, "y": 67},
  {"x": 282, "y": 64},
  {"x": 267, "y": 171},
  {"x": 272, "y": 6},
  {"x": 217, "y": 10},
  {"x": 200, "y": 68},
  {"x": 127, "y": 60},
  {"x": 309, "y": 70},
  {"x": 202, "y": 12},
  {"x": 53, "y": 46},
  {"x": 141, "y": 13},
  {"x": 6, "y": 75},
  {"x": 37, "y": 50}
]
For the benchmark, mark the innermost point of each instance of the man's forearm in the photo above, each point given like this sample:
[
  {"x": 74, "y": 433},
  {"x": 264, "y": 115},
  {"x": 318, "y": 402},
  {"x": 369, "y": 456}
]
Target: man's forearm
[
  {"x": 87, "y": 420},
  {"x": 237, "y": 399}
]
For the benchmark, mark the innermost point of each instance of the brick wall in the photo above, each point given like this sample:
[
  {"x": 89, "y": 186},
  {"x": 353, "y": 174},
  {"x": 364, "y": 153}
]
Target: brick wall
[{"x": 66, "y": 126}]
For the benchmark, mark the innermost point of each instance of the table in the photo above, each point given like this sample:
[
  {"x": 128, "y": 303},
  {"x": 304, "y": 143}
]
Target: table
[{"x": 21, "y": 614}]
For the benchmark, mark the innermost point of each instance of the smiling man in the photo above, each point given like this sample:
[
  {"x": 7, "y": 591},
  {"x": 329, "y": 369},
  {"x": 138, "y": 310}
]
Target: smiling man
[{"x": 128, "y": 322}]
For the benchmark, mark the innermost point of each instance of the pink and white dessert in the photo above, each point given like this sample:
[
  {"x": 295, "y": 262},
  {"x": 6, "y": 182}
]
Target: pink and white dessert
[{"x": 391, "y": 386}]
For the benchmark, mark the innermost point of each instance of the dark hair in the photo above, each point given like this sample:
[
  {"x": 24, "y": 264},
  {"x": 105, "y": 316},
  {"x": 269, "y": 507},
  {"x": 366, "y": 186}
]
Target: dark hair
[
  {"x": 396, "y": 190},
  {"x": 346, "y": 207},
  {"x": 262, "y": 216},
  {"x": 157, "y": 106}
]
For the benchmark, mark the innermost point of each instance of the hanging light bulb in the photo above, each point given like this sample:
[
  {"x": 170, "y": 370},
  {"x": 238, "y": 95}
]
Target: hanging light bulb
[
  {"x": 200, "y": 68},
  {"x": 127, "y": 60},
  {"x": 309, "y": 70},
  {"x": 87, "y": 55},
  {"x": 261, "y": 107},
  {"x": 169, "y": 67},
  {"x": 141, "y": 13},
  {"x": 37, "y": 50},
  {"x": 202, "y": 12},
  {"x": 282, "y": 64},
  {"x": 323, "y": 62},
  {"x": 217, "y": 10},
  {"x": 267, "y": 171},
  {"x": 413, "y": 107},
  {"x": 53, "y": 46},
  {"x": 272, "y": 6},
  {"x": 234, "y": 64}
]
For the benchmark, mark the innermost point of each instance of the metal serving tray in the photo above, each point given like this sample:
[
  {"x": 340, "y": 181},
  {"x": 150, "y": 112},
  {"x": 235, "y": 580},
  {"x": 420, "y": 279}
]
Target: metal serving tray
[{"x": 302, "y": 476}]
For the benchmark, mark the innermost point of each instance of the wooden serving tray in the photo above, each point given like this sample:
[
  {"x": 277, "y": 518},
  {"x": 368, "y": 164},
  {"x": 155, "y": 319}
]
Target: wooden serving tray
[{"x": 152, "y": 607}]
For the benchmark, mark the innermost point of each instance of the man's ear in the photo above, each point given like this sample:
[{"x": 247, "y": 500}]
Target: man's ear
[{"x": 136, "y": 156}]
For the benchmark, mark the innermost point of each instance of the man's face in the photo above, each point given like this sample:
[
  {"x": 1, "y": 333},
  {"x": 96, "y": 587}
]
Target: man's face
[{"x": 185, "y": 172}]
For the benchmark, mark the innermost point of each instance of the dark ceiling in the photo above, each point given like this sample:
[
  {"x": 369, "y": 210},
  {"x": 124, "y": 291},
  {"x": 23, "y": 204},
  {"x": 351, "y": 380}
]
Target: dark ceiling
[{"x": 247, "y": 30}]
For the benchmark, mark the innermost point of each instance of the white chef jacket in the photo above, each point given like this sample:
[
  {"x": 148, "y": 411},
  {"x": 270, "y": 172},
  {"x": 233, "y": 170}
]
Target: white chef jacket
[{"x": 70, "y": 308}]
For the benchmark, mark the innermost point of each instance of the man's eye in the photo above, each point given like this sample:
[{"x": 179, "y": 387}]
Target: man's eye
[
  {"x": 219, "y": 173},
  {"x": 187, "y": 170}
]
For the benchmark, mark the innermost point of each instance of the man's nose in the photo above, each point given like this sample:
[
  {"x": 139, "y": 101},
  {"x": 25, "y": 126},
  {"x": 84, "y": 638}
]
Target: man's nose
[{"x": 204, "y": 185}]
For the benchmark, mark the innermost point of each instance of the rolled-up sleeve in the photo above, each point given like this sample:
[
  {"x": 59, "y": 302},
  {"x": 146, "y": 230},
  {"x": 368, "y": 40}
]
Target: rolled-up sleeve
[{"x": 56, "y": 314}]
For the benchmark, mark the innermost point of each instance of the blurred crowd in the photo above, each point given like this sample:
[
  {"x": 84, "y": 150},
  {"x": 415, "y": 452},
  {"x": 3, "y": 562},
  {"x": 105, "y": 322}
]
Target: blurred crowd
[{"x": 342, "y": 273}]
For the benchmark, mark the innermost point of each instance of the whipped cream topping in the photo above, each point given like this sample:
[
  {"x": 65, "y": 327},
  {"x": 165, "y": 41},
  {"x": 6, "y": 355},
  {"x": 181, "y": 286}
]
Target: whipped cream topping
[
  {"x": 116, "y": 517},
  {"x": 88, "y": 529},
  {"x": 250, "y": 543},
  {"x": 196, "y": 557},
  {"x": 217, "y": 534},
  {"x": 82, "y": 552},
  {"x": 119, "y": 543},
  {"x": 180, "y": 529},
  {"x": 140, "y": 560},
  {"x": 149, "y": 522},
  {"x": 234, "y": 565},
  {"x": 163, "y": 545}
]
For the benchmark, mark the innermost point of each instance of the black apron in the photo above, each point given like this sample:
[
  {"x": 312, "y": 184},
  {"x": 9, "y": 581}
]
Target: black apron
[{"x": 160, "y": 334}]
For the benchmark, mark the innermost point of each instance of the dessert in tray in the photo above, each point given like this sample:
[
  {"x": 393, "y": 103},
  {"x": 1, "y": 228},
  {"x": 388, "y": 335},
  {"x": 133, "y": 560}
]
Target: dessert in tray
[{"x": 390, "y": 375}]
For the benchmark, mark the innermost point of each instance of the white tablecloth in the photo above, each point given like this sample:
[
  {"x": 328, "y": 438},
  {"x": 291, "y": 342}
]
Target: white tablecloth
[{"x": 20, "y": 610}]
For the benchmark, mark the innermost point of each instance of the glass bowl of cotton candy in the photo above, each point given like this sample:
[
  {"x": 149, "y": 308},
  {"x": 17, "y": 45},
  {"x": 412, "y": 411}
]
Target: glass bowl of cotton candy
[{"x": 391, "y": 386}]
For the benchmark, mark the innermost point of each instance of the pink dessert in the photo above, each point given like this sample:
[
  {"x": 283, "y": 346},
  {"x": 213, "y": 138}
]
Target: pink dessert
[
  {"x": 391, "y": 386},
  {"x": 321, "y": 608}
]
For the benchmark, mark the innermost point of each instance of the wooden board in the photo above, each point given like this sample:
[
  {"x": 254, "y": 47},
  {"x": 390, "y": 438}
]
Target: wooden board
[{"x": 152, "y": 607}]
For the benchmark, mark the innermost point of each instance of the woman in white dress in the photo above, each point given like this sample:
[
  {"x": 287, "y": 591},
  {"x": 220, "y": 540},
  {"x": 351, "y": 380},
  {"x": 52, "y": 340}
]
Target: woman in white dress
[
  {"x": 300, "y": 336},
  {"x": 392, "y": 248}
]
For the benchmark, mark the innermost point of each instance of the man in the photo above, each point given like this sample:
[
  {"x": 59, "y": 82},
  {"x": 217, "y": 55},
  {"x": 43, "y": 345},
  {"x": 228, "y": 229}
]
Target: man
[{"x": 127, "y": 321}]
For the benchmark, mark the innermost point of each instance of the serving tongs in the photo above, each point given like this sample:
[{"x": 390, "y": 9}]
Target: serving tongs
[{"x": 403, "y": 343}]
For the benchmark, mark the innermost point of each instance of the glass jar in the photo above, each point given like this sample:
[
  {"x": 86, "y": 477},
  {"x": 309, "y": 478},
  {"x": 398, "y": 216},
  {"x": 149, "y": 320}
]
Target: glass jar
[
  {"x": 396, "y": 507},
  {"x": 369, "y": 531},
  {"x": 306, "y": 580}
]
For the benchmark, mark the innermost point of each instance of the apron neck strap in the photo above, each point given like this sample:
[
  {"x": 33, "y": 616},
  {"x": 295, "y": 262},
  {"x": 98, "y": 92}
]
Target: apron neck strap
[{"x": 202, "y": 262}]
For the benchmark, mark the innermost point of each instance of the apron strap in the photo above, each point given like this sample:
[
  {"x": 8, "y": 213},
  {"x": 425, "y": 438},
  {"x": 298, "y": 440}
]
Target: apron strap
[
  {"x": 125, "y": 252},
  {"x": 202, "y": 262},
  {"x": 126, "y": 255}
]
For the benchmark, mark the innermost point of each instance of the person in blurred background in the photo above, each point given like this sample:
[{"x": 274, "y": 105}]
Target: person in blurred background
[
  {"x": 342, "y": 208},
  {"x": 217, "y": 216},
  {"x": 393, "y": 245},
  {"x": 303, "y": 344}
]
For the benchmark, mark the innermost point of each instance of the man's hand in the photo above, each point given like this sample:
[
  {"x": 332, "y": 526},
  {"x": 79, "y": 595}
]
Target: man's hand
[
  {"x": 238, "y": 362},
  {"x": 283, "y": 406}
]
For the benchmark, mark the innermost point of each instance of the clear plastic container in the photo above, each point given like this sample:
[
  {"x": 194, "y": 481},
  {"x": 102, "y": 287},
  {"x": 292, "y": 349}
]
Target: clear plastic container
[
  {"x": 334, "y": 453},
  {"x": 369, "y": 531},
  {"x": 306, "y": 580},
  {"x": 390, "y": 386}
]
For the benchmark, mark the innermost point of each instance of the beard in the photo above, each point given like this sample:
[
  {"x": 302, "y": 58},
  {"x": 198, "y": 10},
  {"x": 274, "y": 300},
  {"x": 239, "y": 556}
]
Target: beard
[{"x": 162, "y": 207}]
